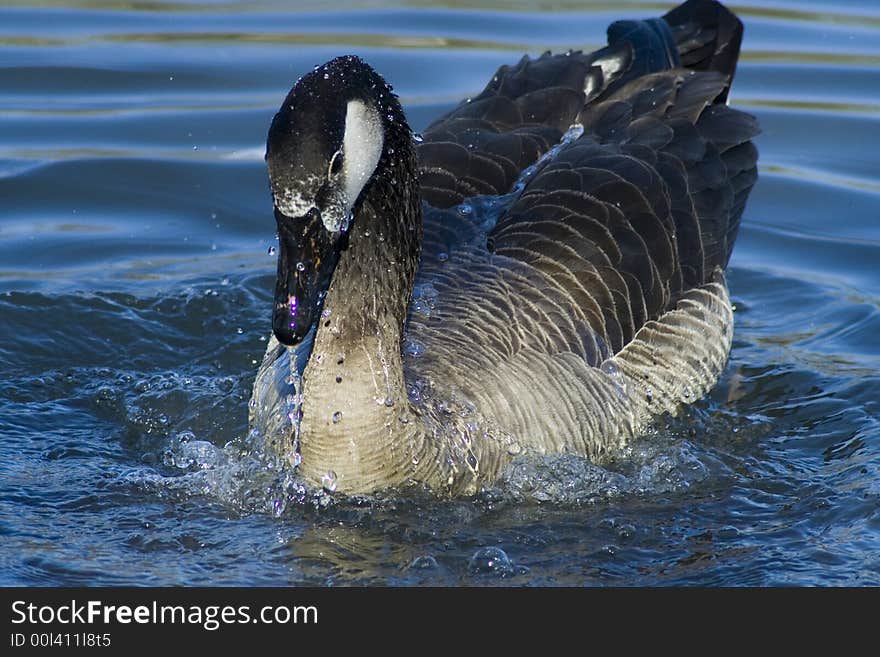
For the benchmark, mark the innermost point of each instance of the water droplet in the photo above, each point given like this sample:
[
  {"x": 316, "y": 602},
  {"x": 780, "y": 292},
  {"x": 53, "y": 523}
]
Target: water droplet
[
  {"x": 337, "y": 415},
  {"x": 687, "y": 392},
  {"x": 418, "y": 138},
  {"x": 389, "y": 402},
  {"x": 225, "y": 281},
  {"x": 271, "y": 250},
  {"x": 415, "y": 459},
  {"x": 465, "y": 209},
  {"x": 300, "y": 266},
  {"x": 239, "y": 330},
  {"x": 610, "y": 368},
  {"x": 649, "y": 395},
  {"x": 514, "y": 448},
  {"x": 442, "y": 256},
  {"x": 326, "y": 76},
  {"x": 328, "y": 481},
  {"x": 413, "y": 348}
]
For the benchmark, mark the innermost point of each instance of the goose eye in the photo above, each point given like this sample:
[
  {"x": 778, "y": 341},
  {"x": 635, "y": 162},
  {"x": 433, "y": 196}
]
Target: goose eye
[{"x": 335, "y": 163}]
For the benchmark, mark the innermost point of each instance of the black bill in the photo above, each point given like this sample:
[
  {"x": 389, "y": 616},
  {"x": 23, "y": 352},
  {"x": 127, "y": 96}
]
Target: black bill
[{"x": 307, "y": 256}]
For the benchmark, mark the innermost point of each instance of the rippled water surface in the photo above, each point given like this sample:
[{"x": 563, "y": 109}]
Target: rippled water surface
[{"x": 135, "y": 298}]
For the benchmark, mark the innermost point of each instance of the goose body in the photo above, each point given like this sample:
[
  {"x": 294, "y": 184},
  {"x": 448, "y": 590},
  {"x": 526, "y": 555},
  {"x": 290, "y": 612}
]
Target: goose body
[{"x": 542, "y": 272}]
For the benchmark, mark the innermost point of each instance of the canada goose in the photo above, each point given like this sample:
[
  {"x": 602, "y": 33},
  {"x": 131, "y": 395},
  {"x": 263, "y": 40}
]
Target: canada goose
[{"x": 541, "y": 271}]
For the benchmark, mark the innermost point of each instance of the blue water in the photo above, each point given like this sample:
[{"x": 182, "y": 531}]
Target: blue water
[{"x": 135, "y": 299}]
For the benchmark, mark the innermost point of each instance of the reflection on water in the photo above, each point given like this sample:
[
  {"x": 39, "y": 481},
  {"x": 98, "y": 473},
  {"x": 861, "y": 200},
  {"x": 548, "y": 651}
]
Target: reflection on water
[{"x": 135, "y": 293}]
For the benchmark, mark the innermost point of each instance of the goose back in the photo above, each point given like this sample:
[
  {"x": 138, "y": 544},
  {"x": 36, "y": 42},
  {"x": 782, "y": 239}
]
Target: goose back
[{"x": 591, "y": 297}]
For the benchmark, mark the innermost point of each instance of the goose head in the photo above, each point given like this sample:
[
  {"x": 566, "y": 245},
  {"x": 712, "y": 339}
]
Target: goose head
[{"x": 329, "y": 147}]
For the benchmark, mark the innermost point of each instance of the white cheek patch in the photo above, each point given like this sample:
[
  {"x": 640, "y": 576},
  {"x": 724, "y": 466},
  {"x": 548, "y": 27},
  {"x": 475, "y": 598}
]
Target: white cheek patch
[{"x": 362, "y": 147}]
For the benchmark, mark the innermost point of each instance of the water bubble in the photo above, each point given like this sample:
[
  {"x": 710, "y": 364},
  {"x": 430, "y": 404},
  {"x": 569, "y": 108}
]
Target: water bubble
[
  {"x": 239, "y": 330},
  {"x": 465, "y": 209},
  {"x": 417, "y": 138},
  {"x": 442, "y": 256},
  {"x": 514, "y": 448},
  {"x": 649, "y": 395},
  {"x": 325, "y": 313},
  {"x": 271, "y": 251},
  {"x": 490, "y": 561},
  {"x": 300, "y": 266},
  {"x": 626, "y": 531},
  {"x": 328, "y": 481},
  {"x": 225, "y": 281},
  {"x": 326, "y": 76},
  {"x": 425, "y": 562},
  {"x": 184, "y": 437},
  {"x": 337, "y": 415},
  {"x": 389, "y": 402}
]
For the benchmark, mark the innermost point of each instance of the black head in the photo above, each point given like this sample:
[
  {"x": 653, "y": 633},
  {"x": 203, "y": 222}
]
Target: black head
[{"x": 323, "y": 150}]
